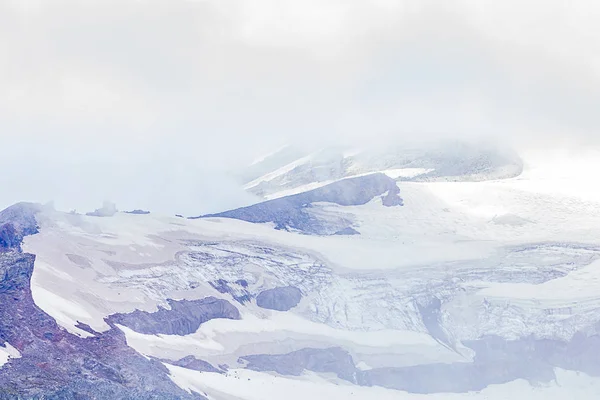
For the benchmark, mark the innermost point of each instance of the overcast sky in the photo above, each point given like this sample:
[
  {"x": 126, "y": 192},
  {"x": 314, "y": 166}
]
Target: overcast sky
[{"x": 149, "y": 103}]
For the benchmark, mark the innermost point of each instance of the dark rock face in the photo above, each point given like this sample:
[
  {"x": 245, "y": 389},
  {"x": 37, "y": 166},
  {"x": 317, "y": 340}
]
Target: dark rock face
[
  {"x": 292, "y": 212},
  {"x": 447, "y": 160},
  {"x": 191, "y": 362},
  {"x": 55, "y": 364},
  {"x": 16, "y": 222},
  {"x": 347, "y": 231},
  {"x": 392, "y": 199},
  {"x": 138, "y": 212},
  {"x": 280, "y": 298},
  {"x": 335, "y": 360},
  {"x": 184, "y": 317},
  {"x": 9, "y": 237}
]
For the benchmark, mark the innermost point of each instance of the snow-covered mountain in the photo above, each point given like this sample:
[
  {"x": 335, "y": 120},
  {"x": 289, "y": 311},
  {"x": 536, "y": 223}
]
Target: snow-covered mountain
[
  {"x": 291, "y": 170},
  {"x": 417, "y": 275}
]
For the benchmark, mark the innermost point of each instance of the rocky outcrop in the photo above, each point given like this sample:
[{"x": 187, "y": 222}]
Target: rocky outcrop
[
  {"x": 294, "y": 212},
  {"x": 55, "y": 364},
  {"x": 334, "y": 360},
  {"x": 183, "y": 317},
  {"x": 16, "y": 222},
  {"x": 280, "y": 298},
  {"x": 191, "y": 362},
  {"x": 138, "y": 212}
]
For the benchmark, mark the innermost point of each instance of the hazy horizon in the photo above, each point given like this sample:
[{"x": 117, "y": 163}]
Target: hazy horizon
[{"x": 159, "y": 100}]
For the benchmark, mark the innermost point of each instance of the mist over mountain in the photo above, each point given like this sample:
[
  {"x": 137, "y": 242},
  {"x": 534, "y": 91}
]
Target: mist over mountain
[{"x": 277, "y": 199}]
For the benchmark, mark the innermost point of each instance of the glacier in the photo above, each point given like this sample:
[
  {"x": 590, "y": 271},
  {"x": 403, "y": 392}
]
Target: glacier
[{"x": 484, "y": 287}]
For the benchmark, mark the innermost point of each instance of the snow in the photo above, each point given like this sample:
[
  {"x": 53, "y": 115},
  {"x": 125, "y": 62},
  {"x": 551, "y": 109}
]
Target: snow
[
  {"x": 363, "y": 366},
  {"x": 406, "y": 172},
  {"x": 580, "y": 289},
  {"x": 211, "y": 337},
  {"x": 441, "y": 222},
  {"x": 265, "y": 156},
  {"x": 224, "y": 341},
  {"x": 278, "y": 172},
  {"x": 7, "y": 352},
  {"x": 392, "y": 173},
  {"x": 299, "y": 189},
  {"x": 65, "y": 312},
  {"x": 445, "y": 241},
  {"x": 250, "y": 385}
]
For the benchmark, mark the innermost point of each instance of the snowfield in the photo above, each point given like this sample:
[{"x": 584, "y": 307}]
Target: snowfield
[{"x": 421, "y": 290}]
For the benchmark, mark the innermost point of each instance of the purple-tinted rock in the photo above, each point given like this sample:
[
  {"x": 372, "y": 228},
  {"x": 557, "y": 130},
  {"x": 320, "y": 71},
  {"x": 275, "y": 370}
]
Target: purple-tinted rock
[
  {"x": 279, "y": 298},
  {"x": 138, "y": 212},
  {"x": 238, "y": 289},
  {"x": 293, "y": 212},
  {"x": 191, "y": 362},
  {"x": 335, "y": 360},
  {"x": 16, "y": 222},
  {"x": 55, "y": 364},
  {"x": 392, "y": 199},
  {"x": 184, "y": 317}
]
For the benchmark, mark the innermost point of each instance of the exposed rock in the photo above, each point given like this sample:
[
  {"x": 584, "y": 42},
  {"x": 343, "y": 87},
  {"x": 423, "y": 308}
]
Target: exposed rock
[
  {"x": 53, "y": 363},
  {"x": 16, "y": 222},
  {"x": 280, "y": 298},
  {"x": 138, "y": 212},
  {"x": 335, "y": 360},
  {"x": 293, "y": 212},
  {"x": 392, "y": 199},
  {"x": 191, "y": 362},
  {"x": 347, "y": 231},
  {"x": 184, "y": 317},
  {"x": 238, "y": 290}
]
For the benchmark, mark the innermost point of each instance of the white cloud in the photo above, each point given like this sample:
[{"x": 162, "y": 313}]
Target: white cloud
[{"x": 207, "y": 85}]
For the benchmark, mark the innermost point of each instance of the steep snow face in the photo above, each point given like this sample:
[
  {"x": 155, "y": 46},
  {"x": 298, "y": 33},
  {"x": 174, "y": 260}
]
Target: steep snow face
[{"x": 281, "y": 174}]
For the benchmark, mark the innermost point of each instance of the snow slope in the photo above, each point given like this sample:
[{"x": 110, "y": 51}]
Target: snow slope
[
  {"x": 486, "y": 289},
  {"x": 250, "y": 385}
]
